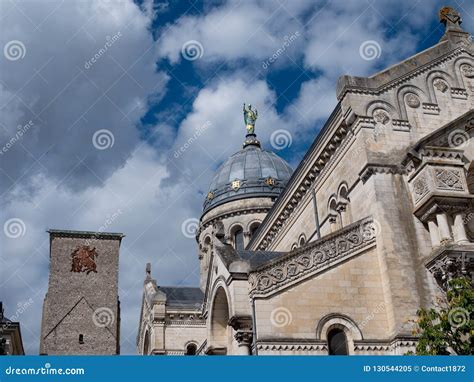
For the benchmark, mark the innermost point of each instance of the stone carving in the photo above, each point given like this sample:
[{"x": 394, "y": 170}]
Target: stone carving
[
  {"x": 451, "y": 264},
  {"x": 314, "y": 256},
  {"x": 243, "y": 337},
  {"x": 83, "y": 259},
  {"x": 468, "y": 70},
  {"x": 449, "y": 17},
  {"x": 440, "y": 85},
  {"x": 420, "y": 187},
  {"x": 412, "y": 100},
  {"x": 381, "y": 116},
  {"x": 449, "y": 179}
]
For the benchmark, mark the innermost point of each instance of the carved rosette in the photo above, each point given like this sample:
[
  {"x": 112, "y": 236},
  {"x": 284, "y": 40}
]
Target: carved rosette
[
  {"x": 467, "y": 70},
  {"x": 440, "y": 85},
  {"x": 314, "y": 257},
  {"x": 412, "y": 100},
  {"x": 381, "y": 116}
]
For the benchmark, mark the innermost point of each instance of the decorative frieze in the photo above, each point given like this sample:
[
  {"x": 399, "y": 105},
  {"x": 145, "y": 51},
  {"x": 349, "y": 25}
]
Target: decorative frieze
[
  {"x": 314, "y": 257},
  {"x": 321, "y": 347}
]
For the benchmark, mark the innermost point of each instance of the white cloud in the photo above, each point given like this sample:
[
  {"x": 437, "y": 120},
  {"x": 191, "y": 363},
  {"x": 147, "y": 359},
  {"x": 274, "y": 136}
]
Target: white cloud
[
  {"x": 233, "y": 31},
  {"x": 66, "y": 95}
]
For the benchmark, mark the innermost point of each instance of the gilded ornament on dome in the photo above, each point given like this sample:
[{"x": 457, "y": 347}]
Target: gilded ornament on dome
[
  {"x": 270, "y": 181},
  {"x": 235, "y": 185}
]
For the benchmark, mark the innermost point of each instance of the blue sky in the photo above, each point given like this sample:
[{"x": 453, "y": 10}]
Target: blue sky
[{"x": 108, "y": 143}]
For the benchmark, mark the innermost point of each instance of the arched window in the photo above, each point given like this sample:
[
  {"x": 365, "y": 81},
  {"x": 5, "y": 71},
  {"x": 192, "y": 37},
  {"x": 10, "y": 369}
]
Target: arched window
[
  {"x": 343, "y": 205},
  {"x": 337, "y": 342},
  {"x": 239, "y": 238},
  {"x": 191, "y": 349},
  {"x": 253, "y": 228},
  {"x": 333, "y": 215},
  {"x": 302, "y": 240}
]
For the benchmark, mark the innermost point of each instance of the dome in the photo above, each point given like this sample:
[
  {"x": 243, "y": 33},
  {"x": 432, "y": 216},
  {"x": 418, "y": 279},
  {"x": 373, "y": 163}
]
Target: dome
[{"x": 249, "y": 173}]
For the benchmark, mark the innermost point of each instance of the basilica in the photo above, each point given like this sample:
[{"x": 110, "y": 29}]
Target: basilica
[{"x": 337, "y": 255}]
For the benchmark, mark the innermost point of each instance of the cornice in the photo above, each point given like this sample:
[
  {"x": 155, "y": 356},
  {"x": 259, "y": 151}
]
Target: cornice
[{"x": 347, "y": 84}]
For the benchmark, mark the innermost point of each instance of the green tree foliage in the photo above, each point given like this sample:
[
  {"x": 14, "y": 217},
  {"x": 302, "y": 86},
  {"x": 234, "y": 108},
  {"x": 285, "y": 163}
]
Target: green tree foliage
[{"x": 448, "y": 330}]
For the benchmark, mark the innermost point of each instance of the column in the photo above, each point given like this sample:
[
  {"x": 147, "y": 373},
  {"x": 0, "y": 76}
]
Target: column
[
  {"x": 443, "y": 227},
  {"x": 243, "y": 333},
  {"x": 343, "y": 215},
  {"x": 434, "y": 233},
  {"x": 244, "y": 339},
  {"x": 459, "y": 230}
]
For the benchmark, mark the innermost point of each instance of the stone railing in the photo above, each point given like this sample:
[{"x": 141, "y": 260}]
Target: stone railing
[{"x": 314, "y": 257}]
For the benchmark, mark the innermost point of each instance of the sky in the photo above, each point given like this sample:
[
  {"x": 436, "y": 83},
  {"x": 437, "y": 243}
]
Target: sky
[{"x": 115, "y": 114}]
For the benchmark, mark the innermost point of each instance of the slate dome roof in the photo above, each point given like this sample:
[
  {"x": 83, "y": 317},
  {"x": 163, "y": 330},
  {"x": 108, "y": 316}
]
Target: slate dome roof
[{"x": 250, "y": 172}]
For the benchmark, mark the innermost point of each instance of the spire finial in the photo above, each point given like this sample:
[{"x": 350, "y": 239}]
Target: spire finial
[
  {"x": 250, "y": 117},
  {"x": 450, "y": 18}
]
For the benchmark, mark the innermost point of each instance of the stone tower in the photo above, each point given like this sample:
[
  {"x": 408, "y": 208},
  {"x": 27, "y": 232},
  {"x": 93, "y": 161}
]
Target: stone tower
[{"x": 81, "y": 311}]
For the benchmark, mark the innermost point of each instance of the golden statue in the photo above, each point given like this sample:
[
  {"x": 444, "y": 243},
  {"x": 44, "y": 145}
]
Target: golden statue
[{"x": 250, "y": 116}]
